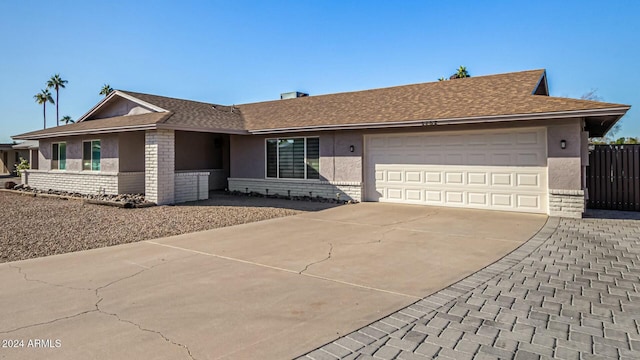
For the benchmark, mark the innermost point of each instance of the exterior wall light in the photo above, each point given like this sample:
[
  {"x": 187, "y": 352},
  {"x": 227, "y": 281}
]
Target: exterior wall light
[
  {"x": 352, "y": 148},
  {"x": 563, "y": 144}
]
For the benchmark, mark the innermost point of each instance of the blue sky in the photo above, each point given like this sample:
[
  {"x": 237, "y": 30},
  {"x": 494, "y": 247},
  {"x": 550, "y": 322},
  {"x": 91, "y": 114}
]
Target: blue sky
[{"x": 233, "y": 52}]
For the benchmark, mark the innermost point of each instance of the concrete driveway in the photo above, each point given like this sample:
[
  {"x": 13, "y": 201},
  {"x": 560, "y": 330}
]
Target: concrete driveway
[{"x": 271, "y": 290}]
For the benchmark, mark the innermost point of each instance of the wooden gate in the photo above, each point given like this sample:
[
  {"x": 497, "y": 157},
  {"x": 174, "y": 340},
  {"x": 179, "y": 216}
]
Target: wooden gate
[{"x": 613, "y": 177}]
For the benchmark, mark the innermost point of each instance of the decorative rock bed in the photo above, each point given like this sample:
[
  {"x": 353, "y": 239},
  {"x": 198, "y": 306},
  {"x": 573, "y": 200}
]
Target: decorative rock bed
[
  {"x": 121, "y": 200},
  {"x": 296, "y": 198}
]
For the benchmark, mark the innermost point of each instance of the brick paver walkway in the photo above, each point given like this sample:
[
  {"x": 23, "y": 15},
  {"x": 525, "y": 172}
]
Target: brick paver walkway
[{"x": 571, "y": 292}]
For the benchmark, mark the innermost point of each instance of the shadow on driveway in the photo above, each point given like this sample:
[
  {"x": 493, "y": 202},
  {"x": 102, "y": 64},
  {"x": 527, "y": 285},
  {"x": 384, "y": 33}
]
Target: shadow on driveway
[
  {"x": 220, "y": 198},
  {"x": 611, "y": 214}
]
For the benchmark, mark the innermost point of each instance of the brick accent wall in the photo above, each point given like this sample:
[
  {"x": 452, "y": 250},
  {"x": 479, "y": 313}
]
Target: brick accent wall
[
  {"x": 566, "y": 203},
  {"x": 191, "y": 186},
  {"x": 84, "y": 182},
  {"x": 159, "y": 163},
  {"x": 131, "y": 183},
  {"x": 325, "y": 189}
]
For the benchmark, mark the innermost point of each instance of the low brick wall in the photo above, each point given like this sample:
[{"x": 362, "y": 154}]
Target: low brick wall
[
  {"x": 325, "y": 189},
  {"x": 84, "y": 182},
  {"x": 191, "y": 186},
  {"x": 131, "y": 182},
  {"x": 566, "y": 203}
]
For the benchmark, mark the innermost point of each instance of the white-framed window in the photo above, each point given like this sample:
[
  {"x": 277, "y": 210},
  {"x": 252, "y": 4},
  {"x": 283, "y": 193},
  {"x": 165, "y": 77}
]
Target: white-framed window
[
  {"x": 91, "y": 155},
  {"x": 293, "y": 158},
  {"x": 59, "y": 156}
]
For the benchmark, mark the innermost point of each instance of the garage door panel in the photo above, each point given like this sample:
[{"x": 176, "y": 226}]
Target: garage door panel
[
  {"x": 454, "y": 178},
  {"x": 432, "y": 196},
  {"x": 394, "y": 193},
  {"x": 477, "y": 178},
  {"x": 528, "y": 179},
  {"x": 503, "y": 200},
  {"x": 477, "y": 198},
  {"x": 413, "y": 194},
  {"x": 394, "y": 176},
  {"x": 454, "y": 197},
  {"x": 413, "y": 176},
  {"x": 503, "y": 170},
  {"x": 528, "y": 201},
  {"x": 527, "y": 138},
  {"x": 433, "y": 177},
  {"x": 501, "y": 179}
]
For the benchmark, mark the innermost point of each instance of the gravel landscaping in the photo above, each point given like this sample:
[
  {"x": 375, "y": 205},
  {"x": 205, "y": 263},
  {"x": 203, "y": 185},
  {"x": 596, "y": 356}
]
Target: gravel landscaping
[{"x": 34, "y": 226}]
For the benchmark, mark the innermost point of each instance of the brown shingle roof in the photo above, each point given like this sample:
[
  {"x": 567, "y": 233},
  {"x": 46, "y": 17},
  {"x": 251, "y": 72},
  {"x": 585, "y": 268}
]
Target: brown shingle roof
[
  {"x": 476, "y": 97},
  {"x": 503, "y": 94},
  {"x": 120, "y": 122},
  {"x": 195, "y": 114}
]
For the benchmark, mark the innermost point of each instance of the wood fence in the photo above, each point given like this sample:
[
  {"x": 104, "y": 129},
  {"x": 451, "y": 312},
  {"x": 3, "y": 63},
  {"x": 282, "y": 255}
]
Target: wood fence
[{"x": 613, "y": 177}]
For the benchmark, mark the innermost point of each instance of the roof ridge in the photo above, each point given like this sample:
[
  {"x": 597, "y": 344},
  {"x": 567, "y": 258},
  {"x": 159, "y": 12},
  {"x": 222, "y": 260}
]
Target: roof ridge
[
  {"x": 473, "y": 78},
  {"x": 133, "y": 93}
]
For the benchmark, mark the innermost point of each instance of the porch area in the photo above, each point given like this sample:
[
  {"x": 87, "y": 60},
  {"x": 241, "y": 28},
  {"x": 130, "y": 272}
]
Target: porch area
[{"x": 167, "y": 166}]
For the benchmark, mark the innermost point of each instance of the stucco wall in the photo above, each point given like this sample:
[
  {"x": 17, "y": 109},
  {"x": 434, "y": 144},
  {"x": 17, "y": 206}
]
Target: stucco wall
[
  {"x": 565, "y": 165},
  {"x": 337, "y": 163},
  {"x": 196, "y": 150},
  {"x": 118, "y": 107},
  {"x": 247, "y": 156},
  {"x": 108, "y": 156},
  {"x": 131, "y": 151}
]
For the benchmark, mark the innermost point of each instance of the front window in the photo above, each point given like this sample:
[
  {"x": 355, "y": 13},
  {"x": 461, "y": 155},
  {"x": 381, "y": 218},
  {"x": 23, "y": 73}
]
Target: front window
[
  {"x": 59, "y": 158},
  {"x": 293, "y": 158},
  {"x": 91, "y": 155}
]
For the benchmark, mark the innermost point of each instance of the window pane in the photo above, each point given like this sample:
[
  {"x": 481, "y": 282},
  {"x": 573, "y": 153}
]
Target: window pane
[
  {"x": 313, "y": 158},
  {"x": 291, "y": 158},
  {"x": 272, "y": 160},
  {"x": 54, "y": 156},
  {"x": 63, "y": 156},
  {"x": 95, "y": 155},
  {"x": 86, "y": 155}
]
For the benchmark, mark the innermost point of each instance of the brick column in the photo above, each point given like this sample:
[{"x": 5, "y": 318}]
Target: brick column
[{"x": 159, "y": 166}]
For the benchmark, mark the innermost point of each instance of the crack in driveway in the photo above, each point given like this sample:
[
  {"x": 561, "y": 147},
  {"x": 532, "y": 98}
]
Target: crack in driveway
[
  {"x": 26, "y": 278},
  {"x": 97, "y": 305},
  {"x": 319, "y": 261}
]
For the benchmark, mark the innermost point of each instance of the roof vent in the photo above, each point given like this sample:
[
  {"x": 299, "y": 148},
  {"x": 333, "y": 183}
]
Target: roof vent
[{"x": 292, "y": 95}]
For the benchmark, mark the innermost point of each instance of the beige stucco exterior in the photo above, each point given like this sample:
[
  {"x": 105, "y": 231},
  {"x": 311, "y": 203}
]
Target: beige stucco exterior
[
  {"x": 337, "y": 163},
  {"x": 109, "y": 156},
  {"x": 341, "y": 167}
]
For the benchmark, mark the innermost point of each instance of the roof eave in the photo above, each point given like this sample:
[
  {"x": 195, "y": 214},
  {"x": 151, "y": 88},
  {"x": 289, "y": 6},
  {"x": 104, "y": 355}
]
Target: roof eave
[
  {"x": 201, "y": 129},
  {"x": 452, "y": 121},
  {"x": 116, "y": 129}
]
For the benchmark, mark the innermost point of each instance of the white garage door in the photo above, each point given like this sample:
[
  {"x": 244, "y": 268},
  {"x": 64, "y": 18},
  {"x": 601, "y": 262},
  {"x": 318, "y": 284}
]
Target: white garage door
[{"x": 498, "y": 169}]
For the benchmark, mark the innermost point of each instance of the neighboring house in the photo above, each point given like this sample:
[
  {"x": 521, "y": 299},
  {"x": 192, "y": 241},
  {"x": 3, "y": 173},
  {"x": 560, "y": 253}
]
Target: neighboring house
[
  {"x": 29, "y": 151},
  {"x": 10, "y": 155},
  {"x": 491, "y": 142}
]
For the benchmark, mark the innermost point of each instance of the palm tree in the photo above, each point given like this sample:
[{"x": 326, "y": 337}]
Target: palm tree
[
  {"x": 41, "y": 98},
  {"x": 106, "y": 90},
  {"x": 462, "y": 72},
  {"x": 56, "y": 82},
  {"x": 67, "y": 119}
]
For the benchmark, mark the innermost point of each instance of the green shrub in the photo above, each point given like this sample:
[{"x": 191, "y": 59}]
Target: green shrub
[{"x": 23, "y": 165}]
